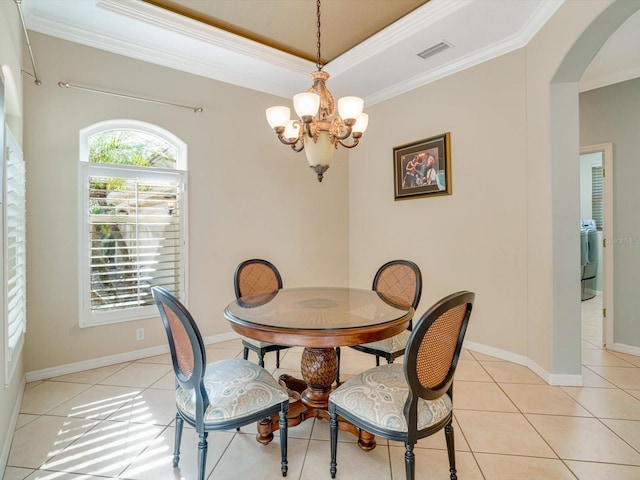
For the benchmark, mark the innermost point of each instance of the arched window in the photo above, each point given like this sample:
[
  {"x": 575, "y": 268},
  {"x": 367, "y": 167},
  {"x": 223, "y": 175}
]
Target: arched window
[{"x": 133, "y": 226}]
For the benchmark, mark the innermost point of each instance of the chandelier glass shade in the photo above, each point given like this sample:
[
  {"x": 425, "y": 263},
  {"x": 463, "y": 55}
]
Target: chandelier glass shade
[{"x": 319, "y": 129}]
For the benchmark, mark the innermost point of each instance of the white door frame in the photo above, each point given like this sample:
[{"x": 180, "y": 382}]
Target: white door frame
[{"x": 607, "y": 237}]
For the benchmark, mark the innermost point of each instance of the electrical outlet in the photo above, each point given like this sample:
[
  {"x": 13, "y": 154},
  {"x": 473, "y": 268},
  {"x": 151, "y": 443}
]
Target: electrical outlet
[{"x": 140, "y": 334}]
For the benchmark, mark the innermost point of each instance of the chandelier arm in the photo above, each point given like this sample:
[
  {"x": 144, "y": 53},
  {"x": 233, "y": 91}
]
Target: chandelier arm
[
  {"x": 287, "y": 141},
  {"x": 311, "y": 128},
  {"x": 346, "y": 134},
  {"x": 339, "y": 129},
  {"x": 299, "y": 148},
  {"x": 299, "y": 127},
  {"x": 346, "y": 145}
]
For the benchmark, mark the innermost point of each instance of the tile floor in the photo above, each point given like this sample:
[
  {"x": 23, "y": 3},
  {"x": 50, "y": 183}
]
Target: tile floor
[{"x": 117, "y": 422}]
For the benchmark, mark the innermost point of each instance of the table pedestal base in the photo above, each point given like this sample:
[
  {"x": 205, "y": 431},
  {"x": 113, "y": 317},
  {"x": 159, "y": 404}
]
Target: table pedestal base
[{"x": 319, "y": 369}]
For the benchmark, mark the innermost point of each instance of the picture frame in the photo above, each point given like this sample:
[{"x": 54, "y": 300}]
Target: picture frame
[{"x": 423, "y": 168}]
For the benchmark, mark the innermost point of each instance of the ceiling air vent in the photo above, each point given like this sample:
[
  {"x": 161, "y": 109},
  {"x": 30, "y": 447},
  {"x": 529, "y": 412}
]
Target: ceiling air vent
[{"x": 431, "y": 51}]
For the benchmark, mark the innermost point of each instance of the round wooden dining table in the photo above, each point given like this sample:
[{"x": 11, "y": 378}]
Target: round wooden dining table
[{"x": 318, "y": 319}]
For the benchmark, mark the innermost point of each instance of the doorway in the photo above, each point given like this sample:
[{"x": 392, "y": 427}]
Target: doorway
[{"x": 596, "y": 222}]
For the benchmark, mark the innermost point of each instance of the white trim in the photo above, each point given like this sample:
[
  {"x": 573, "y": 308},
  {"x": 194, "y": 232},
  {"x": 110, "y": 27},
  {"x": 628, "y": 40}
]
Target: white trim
[
  {"x": 551, "y": 379},
  {"x": 624, "y": 348},
  {"x": 167, "y": 20},
  {"x": 188, "y": 45},
  {"x": 565, "y": 380},
  {"x": 428, "y": 14},
  {"x": 607, "y": 235},
  {"x": 12, "y": 355},
  {"x": 136, "y": 125},
  {"x": 87, "y": 318},
  {"x": 8, "y": 438},
  {"x": 115, "y": 359},
  {"x": 497, "y": 353}
]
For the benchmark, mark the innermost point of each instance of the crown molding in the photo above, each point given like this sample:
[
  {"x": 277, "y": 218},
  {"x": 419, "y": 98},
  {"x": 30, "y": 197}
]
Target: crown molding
[
  {"x": 509, "y": 44},
  {"x": 146, "y": 32},
  {"x": 428, "y": 14},
  {"x": 193, "y": 29}
]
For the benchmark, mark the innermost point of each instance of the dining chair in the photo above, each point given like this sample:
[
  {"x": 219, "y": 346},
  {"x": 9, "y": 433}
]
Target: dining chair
[
  {"x": 221, "y": 395},
  {"x": 400, "y": 281},
  {"x": 412, "y": 401},
  {"x": 252, "y": 277}
]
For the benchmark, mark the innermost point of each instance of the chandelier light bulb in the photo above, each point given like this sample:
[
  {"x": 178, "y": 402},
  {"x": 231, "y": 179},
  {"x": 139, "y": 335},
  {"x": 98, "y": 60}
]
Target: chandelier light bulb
[
  {"x": 278, "y": 116},
  {"x": 306, "y": 104},
  {"x": 292, "y": 130},
  {"x": 350, "y": 108},
  {"x": 362, "y": 122}
]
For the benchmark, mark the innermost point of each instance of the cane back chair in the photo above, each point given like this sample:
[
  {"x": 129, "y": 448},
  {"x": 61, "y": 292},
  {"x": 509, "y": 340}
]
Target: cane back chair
[
  {"x": 252, "y": 277},
  {"x": 412, "y": 401},
  {"x": 399, "y": 281},
  {"x": 222, "y": 395}
]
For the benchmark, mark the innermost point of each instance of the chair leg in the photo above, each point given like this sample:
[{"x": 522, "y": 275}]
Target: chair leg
[
  {"x": 283, "y": 439},
  {"x": 409, "y": 462},
  {"x": 277, "y": 358},
  {"x": 202, "y": 455},
  {"x": 333, "y": 422},
  {"x": 338, "y": 374},
  {"x": 448, "y": 432},
  {"x": 261, "y": 358},
  {"x": 377, "y": 361},
  {"x": 389, "y": 360},
  {"x": 245, "y": 353},
  {"x": 178, "y": 439}
]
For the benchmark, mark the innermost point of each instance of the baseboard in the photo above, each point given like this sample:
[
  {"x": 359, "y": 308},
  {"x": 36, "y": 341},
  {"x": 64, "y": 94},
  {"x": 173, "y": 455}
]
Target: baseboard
[
  {"x": 115, "y": 359},
  {"x": 8, "y": 437},
  {"x": 556, "y": 379},
  {"x": 622, "y": 348},
  {"x": 496, "y": 352},
  {"x": 550, "y": 378}
]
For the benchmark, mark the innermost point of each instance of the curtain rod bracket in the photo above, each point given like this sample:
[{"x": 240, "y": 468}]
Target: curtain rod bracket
[{"x": 26, "y": 36}]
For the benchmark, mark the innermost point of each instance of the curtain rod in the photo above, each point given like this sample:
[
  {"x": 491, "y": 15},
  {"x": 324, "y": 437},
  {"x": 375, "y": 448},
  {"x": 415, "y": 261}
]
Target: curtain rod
[
  {"x": 131, "y": 97},
  {"x": 26, "y": 36}
]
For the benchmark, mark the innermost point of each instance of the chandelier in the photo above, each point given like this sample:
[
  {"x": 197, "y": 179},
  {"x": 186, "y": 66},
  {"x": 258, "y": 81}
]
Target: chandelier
[{"x": 319, "y": 130}]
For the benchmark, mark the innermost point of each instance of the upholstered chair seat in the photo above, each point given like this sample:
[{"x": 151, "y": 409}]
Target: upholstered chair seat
[
  {"x": 378, "y": 397},
  {"x": 256, "y": 343},
  {"x": 236, "y": 388},
  {"x": 222, "y": 395},
  {"x": 393, "y": 347},
  {"x": 407, "y": 402}
]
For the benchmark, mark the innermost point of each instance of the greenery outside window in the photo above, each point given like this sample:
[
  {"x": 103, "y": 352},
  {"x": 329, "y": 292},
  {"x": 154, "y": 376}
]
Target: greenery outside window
[{"x": 133, "y": 180}]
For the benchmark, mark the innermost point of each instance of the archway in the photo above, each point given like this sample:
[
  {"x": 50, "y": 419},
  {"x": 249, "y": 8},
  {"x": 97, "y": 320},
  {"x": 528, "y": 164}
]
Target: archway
[{"x": 564, "y": 145}]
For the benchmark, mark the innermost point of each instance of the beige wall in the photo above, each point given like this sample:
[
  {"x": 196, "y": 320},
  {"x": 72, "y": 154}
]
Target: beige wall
[
  {"x": 11, "y": 59},
  {"x": 509, "y": 229},
  {"x": 249, "y": 196},
  {"x": 507, "y": 232},
  {"x": 474, "y": 239}
]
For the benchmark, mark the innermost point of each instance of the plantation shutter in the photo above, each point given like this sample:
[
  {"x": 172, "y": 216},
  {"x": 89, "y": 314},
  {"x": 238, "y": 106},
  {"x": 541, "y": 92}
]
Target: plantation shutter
[
  {"x": 15, "y": 253},
  {"x": 135, "y": 240},
  {"x": 596, "y": 196}
]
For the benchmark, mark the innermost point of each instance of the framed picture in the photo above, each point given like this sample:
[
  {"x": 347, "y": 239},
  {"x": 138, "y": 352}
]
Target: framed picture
[{"x": 423, "y": 168}]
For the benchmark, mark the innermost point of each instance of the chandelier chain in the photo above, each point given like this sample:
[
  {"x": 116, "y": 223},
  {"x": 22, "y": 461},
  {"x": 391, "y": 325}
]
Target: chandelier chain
[{"x": 319, "y": 62}]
